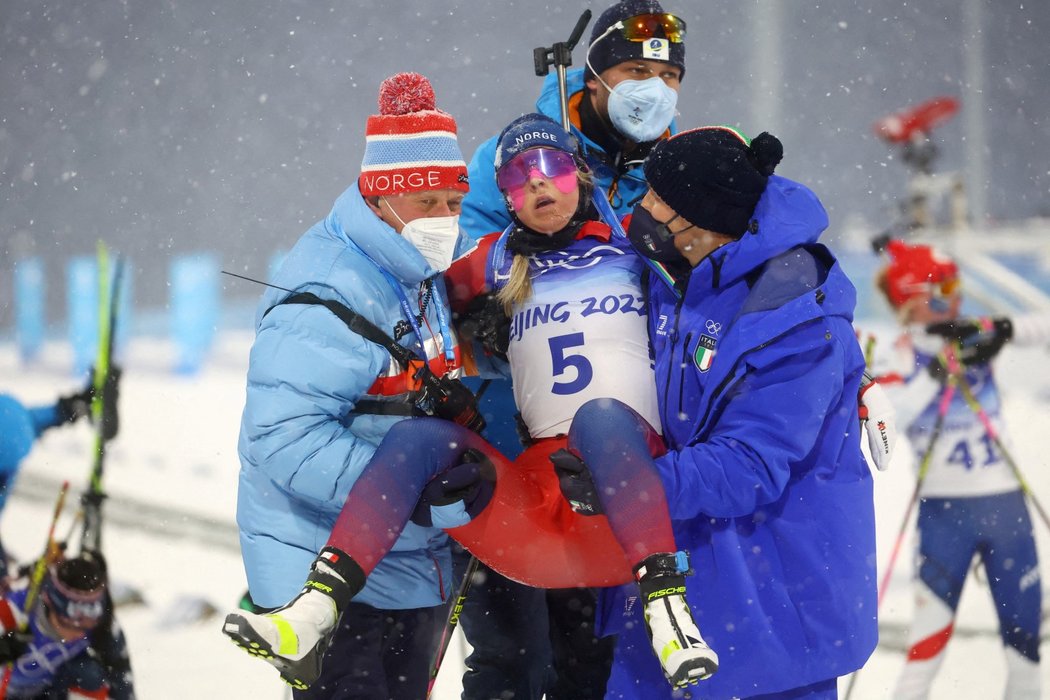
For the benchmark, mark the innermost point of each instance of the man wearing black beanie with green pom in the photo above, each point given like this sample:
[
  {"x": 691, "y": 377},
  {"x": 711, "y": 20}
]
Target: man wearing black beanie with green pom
[{"x": 757, "y": 374}]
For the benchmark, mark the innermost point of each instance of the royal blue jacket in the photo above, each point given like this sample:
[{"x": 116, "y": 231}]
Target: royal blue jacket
[
  {"x": 303, "y": 440},
  {"x": 484, "y": 208},
  {"x": 757, "y": 370}
]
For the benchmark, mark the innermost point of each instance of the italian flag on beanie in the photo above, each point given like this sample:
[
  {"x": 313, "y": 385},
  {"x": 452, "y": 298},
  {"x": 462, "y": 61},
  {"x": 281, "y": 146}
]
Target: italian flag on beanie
[{"x": 410, "y": 146}]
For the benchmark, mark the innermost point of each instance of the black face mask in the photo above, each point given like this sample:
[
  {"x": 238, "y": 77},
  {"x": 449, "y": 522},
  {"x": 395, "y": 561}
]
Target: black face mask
[{"x": 652, "y": 238}]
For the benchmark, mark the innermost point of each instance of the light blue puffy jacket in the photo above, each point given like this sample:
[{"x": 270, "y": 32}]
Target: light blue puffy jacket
[{"x": 302, "y": 444}]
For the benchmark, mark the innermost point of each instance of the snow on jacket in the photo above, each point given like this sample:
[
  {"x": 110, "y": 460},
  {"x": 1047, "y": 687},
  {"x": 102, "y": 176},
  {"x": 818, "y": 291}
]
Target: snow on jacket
[
  {"x": 757, "y": 376},
  {"x": 484, "y": 208},
  {"x": 302, "y": 443}
]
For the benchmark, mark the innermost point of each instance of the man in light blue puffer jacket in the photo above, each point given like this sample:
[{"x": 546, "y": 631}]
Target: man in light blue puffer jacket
[{"x": 320, "y": 397}]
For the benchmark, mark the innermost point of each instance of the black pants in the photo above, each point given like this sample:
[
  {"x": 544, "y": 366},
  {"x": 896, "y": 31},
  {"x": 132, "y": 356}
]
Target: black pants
[
  {"x": 530, "y": 641},
  {"x": 378, "y": 655}
]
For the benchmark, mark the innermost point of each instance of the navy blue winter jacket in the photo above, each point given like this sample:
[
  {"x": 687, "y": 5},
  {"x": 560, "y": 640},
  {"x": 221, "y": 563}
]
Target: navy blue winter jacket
[{"x": 757, "y": 370}]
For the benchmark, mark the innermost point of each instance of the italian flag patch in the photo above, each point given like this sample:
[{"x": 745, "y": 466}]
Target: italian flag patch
[{"x": 705, "y": 353}]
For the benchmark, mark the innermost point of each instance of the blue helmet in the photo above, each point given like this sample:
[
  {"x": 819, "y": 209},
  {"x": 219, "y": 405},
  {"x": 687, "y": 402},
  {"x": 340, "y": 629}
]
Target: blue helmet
[{"x": 532, "y": 131}]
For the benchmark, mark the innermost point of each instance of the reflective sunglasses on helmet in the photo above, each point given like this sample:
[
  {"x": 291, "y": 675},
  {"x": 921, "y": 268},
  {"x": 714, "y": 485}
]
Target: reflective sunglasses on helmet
[
  {"x": 942, "y": 293},
  {"x": 653, "y": 25},
  {"x": 557, "y": 166},
  {"x": 947, "y": 287}
]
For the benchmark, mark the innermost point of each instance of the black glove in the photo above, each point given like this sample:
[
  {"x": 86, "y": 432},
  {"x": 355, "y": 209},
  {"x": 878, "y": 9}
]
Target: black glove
[
  {"x": 472, "y": 481},
  {"x": 486, "y": 322},
  {"x": 76, "y": 406},
  {"x": 980, "y": 340},
  {"x": 576, "y": 483},
  {"x": 13, "y": 645}
]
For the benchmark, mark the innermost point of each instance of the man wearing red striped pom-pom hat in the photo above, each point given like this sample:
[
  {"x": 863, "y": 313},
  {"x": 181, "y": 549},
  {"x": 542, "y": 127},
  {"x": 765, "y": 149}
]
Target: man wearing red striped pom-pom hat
[
  {"x": 410, "y": 145},
  {"x": 321, "y": 396}
]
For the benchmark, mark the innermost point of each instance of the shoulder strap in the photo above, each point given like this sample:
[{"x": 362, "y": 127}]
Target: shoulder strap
[
  {"x": 355, "y": 322},
  {"x": 449, "y": 398}
]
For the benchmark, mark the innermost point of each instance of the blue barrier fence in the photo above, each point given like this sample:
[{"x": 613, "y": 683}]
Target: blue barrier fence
[
  {"x": 191, "y": 317},
  {"x": 201, "y": 301},
  {"x": 29, "y": 297},
  {"x": 195, "y": 300}
]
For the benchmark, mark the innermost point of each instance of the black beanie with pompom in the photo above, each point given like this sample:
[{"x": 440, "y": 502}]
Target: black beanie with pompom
[{"x": 713, "y": 176}]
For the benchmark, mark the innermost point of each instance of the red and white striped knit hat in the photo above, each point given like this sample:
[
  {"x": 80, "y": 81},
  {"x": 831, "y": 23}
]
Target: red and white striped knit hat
[{"x": 410, "y": 146}]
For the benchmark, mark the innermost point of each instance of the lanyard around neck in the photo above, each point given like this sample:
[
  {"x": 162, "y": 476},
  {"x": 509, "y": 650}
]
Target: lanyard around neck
[
  {"x": 607, "y": 213},
  {"x": 406, "y": 308}
]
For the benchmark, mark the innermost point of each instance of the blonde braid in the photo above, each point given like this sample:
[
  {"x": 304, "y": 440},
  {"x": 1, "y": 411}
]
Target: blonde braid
[{"x": 518, "y": 287}]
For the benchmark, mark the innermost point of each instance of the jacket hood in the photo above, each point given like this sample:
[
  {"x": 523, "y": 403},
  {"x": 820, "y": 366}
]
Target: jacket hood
[
  {"x": 788, "y": 215},
  {"x": 549, "y": 103},
  {"x": 355, "y": 224}
]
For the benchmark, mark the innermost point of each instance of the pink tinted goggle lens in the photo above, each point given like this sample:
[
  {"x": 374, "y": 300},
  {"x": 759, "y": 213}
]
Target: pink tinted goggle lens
[{"x": 557, "y": 166}]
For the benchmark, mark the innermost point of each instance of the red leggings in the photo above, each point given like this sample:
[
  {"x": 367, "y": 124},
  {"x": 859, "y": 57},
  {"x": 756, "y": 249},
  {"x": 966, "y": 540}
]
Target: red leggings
[{"x": 527, "y": 532}]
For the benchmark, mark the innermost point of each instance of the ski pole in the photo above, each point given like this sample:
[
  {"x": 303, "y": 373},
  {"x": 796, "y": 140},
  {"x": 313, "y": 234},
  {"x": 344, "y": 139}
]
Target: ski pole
[
  {"x": 455, "y": 609},
  {"x": 109, "y": 300},
  {"x": 36, "y": 580},
  {"x": 924, "y": 467},
  {"x": 989, "y": 427},
  {"x": 869, "y": 350}
]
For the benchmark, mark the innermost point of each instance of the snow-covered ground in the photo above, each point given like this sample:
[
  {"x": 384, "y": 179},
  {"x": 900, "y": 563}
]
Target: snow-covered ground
[{"x": 171, "y": 474}]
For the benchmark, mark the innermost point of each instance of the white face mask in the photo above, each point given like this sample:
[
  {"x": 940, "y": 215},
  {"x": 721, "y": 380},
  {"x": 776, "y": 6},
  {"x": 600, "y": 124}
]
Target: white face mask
[
  {"x": 435, "y": 237},
  {"x": 641, "y": 110}
]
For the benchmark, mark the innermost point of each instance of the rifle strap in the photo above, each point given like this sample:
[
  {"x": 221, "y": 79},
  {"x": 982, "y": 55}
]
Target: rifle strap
[{"x": 355, "y": 322}]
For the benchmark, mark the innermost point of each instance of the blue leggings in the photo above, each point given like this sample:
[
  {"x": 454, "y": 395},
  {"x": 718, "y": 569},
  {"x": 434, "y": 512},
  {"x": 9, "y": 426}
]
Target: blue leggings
[{"x": 998, "y": 529}]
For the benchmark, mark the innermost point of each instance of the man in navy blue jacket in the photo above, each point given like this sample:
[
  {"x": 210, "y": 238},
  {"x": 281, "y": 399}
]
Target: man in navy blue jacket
[{"x": 758, "y": 370}]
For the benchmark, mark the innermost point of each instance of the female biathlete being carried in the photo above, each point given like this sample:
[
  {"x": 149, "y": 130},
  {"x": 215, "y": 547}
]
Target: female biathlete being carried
[{"x": 577, "y": 333}]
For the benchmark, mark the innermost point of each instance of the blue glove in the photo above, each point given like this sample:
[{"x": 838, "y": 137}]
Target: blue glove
[
  {"x": 576, "y": 483},
  {"x": 457, "y": 495}
]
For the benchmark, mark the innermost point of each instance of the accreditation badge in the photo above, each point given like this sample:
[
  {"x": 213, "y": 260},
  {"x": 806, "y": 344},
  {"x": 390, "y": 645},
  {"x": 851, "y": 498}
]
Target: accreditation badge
[{"x": 656, "y": 49}]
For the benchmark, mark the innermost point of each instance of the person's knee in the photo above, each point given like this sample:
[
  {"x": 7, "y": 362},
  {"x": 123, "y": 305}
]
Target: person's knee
[
  {"x": 409, "y": 431},
  {"x": 603, "y": 409}
]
